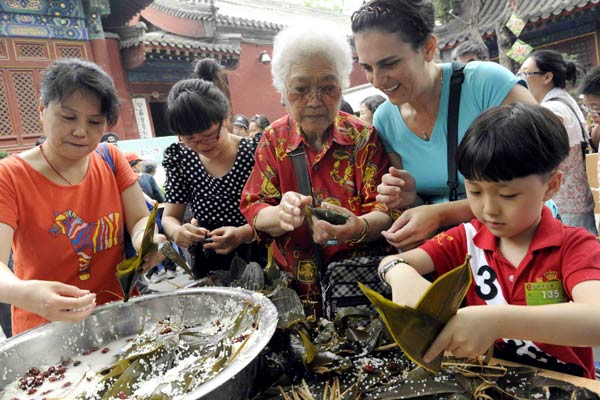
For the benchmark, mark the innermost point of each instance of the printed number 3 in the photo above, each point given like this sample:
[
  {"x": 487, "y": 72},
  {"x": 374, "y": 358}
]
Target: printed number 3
[{"x": 488, "y": 281}]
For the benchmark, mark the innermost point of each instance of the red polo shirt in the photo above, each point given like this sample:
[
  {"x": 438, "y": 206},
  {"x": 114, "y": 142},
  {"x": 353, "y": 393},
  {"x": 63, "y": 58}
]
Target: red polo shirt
[{"x": 557, "y": 253}]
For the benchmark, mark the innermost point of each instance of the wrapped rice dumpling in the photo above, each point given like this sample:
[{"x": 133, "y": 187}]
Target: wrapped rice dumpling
[{"x": 415, "y": 329}]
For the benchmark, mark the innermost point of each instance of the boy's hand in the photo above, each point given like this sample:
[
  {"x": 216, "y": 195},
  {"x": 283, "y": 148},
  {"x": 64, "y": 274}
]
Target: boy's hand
[{"x": 469, "y": 333}]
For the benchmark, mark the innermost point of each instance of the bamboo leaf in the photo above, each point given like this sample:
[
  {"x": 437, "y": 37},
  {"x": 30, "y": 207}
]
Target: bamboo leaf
[{"x": 414, "y": 330}]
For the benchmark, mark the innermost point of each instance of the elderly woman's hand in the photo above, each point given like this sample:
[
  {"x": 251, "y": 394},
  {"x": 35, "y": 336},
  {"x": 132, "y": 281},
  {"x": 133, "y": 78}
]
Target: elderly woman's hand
[
  {"x": 397, "y": 189},
  {"x": 291, "y": 210},
  {"x": 326, "y": 233}
]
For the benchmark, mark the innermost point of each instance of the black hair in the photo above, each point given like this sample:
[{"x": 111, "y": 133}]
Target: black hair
[
  {"x": 413, "y": 19},
  {"x": 591, "y": 82},
  {"x": 262, "y": 120},
  {"x": 346, "y": 107},
  {"x": 479, "y": 49},
  {"x": 149, "y": 166},
  {"x": 64, "y": 77},
  {"x": 193, "y": 105},
  {"x": 372, "y": 102},
  {"x": 40, "y": 140},
  {"x": 553, "y": 61},
  {"x": 210, "y": 70},
  {"x": 512, "y": 141}
]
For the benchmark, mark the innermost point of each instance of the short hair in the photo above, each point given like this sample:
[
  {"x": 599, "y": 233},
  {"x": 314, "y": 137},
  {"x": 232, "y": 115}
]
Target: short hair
[
  {"x": 346, "y": 107},
  {"x": 64, "y": 77},
  {"x": 478, "y": 48},
  {"x": 149, "y": 166},
  {"x": 553, "y": 61},
  {"x": 590, "y": 84},
  {"x": 512, "y": 141},
  {"x": 413, "y": 20},
  {"x": 299, "y": 42},
  {"x": 210, "y": 70},
  {"x": 372, "y": 102},
  {"x": 193, "y": 105},
  {"x": 262, "y": 120}
]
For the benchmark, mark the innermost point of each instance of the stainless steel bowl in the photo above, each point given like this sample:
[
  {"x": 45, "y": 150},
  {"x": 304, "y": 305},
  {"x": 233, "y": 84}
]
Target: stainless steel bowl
[{"x": 47, "y": 344}]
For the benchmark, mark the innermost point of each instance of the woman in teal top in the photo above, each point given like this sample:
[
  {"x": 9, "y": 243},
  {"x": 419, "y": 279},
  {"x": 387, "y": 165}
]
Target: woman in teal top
[{"x": 396, "y": 47}]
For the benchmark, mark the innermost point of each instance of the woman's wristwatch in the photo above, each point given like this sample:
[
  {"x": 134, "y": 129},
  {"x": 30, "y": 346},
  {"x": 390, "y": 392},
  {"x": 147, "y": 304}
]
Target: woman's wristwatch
[{"x": 384, "y": 268}]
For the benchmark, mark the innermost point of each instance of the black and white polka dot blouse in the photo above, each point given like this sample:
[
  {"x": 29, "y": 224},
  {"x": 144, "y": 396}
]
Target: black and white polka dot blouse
[{"x": 215, "y": 202}]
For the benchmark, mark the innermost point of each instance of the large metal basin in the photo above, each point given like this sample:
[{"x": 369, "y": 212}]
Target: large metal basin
[{"x": 47, "y": 344}]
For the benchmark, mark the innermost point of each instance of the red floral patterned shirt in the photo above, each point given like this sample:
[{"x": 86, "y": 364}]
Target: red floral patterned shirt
[{"x": 345, "y": 171}]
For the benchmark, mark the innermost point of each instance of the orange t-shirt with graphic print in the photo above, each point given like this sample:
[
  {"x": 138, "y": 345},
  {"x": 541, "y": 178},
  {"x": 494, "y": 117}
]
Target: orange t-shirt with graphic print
[{"x": 71, "y": 234}]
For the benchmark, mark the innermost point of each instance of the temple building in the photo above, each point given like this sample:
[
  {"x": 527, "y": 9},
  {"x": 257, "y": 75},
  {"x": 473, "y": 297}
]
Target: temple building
[
  {"x": 147, "y": 46},
  {"x": 568, "y": 26}
]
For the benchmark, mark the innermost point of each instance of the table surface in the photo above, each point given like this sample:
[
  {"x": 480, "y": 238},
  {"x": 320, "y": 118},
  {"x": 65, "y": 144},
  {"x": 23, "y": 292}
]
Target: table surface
[{"x": 591, "y": 384}]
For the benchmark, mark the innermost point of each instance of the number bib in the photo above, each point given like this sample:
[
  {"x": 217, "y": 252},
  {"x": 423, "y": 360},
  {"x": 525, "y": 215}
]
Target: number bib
[{"x": 540, "y": 293}]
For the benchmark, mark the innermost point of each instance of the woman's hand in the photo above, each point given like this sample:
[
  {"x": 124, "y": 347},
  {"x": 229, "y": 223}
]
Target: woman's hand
[
  {"x": 397, "y": 189},
  {"x": 156, "y": 257},
  {"x": 225, "y": 239},
  {"x": 326, "y": 233},
  {"x": 55, "y": 301},
  {"x": 291, "y": 210},
  {"x": 413, "y": 227},
  {"x": 469, "y": 333},
  {"x": 188, "y": 234}
]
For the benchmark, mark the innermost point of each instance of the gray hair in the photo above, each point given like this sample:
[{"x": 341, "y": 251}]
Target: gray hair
[
  {"x": 300, "y": 41},
  {"x": 479, "y": 49},
  {"x": 149, "y": 166}
]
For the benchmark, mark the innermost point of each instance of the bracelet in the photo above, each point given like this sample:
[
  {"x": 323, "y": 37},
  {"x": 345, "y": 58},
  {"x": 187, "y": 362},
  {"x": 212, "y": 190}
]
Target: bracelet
[
  {"x": 363, "y": 234},
  {"x": 384, "y": 268}
]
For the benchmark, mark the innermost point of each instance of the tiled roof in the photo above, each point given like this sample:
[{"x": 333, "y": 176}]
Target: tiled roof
[
  {"x": 130, "y": 35},
  {"x": 121, "y": 11},
  {"x": 257, "y": 14},
  {"x": 271, "y": 14},
  {"x": 188, "y": 9},
  {"x": 164, "y": 40},
  {"x": 493, "y": 11}
]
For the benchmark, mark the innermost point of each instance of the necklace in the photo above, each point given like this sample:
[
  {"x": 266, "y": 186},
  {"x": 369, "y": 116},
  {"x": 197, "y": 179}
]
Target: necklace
[
  {"x": 425, "y": 135},
  {"x": 52, "y": 166}
]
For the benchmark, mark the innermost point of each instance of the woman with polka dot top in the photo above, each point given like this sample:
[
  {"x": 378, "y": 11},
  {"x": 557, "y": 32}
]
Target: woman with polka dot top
[{"x": 207, "y": 170}]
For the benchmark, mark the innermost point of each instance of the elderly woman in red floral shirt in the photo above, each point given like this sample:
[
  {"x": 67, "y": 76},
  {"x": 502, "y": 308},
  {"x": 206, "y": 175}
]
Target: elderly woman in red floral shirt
[{"x": 345, "y": 160}]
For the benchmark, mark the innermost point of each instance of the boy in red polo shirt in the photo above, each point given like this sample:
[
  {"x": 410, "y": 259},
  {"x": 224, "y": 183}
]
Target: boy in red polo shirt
[{"x": 521, "y": 255}]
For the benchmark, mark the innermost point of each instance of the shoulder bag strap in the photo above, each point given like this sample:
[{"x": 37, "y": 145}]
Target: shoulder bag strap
[
  {"x": 298, "y": 156},
  {"x": 585, "y": 142},
  {"x": 103, "y": 152},
  {"x": 566, "y": 103},
  {"x": 452, "y": 126}
]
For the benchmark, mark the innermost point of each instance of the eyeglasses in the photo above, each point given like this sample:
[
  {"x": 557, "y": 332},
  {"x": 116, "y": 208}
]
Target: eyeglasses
[
  {"x": 526, "y": 74},
  {"x": 588, "y": 110},
  {"x": 191, "y": 139},
  {"x": 328, "y": 94}
]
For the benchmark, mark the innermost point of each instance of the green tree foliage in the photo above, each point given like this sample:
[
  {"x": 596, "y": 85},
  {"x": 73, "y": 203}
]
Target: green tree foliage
[{"x": 445, "y": 8}]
